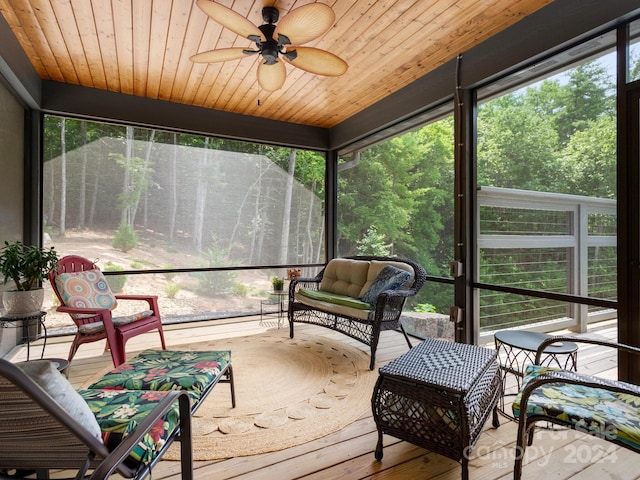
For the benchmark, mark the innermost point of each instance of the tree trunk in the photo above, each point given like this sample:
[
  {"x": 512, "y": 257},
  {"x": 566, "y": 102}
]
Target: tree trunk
[
  {"x": 83, "y": 176},
  {"x": 174, "y": 190},
  {"x": 125, "y": 217},
  {"x": 310, "y": 238},
  {"x": 143, "y": 181},
  {"x": 49, "y": 206},
  {"x": 63, "y": 176},
  {"x": 94, "y": 194},
  {"x": 286, "y": 209},
  {"x": 201, "y": 197}
]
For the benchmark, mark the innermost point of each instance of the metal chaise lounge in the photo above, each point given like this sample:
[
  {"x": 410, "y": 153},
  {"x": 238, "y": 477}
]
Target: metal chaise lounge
[{"x": 38, "y": 434}]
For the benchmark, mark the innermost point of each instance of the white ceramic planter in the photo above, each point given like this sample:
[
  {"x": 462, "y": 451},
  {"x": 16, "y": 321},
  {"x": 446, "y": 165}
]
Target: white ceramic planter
[{"x": 22, "y": 302}]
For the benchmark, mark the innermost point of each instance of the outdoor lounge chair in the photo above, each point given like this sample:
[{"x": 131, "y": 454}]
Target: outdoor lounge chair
[
  {"x": 603, "y": 408},
  {"x": 40, "y": 433},
  {"x": 85, "y": 295}
]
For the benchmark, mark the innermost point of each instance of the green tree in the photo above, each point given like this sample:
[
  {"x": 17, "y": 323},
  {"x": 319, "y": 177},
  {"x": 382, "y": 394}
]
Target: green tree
[
  {"x": 588, "y": 163},
  {"x": 517, "y": 145}
]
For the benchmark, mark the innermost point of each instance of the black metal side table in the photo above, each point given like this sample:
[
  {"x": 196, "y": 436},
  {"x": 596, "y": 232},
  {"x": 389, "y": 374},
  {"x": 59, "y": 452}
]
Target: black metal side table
[
  {"x": 14, "y": 321},
  {"x": 278, "y": 298},
  {"x": 517, "y": 349},
  {"x": 438, "y": 396}
]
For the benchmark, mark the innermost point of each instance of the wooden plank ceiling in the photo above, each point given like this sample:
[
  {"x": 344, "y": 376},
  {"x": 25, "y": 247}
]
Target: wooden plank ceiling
[{"x": 142, "y": 47}]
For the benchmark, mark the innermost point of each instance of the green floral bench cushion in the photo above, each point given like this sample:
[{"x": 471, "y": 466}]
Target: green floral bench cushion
[
  {"x": 599, "y": 411},
  {"x": 119, "y": 412},
  {"x": 161, "y": 370}
]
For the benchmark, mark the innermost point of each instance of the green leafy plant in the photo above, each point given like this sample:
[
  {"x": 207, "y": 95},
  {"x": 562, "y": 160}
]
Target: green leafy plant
[
  {"x": 216, "y": 283},
  {"x": 239, "y": 290},
  {"x": 125, "y": 238},
  {"x": 277, "y": 283},
  {"x": 26, "y": 265},
  {"x": 424, "y": 308},
  {"x": 116, "y": 282},
  {"x": 172, "y": 289},
  {"x": 373, "y": 243},
  {"x": 168, "y": 275}
]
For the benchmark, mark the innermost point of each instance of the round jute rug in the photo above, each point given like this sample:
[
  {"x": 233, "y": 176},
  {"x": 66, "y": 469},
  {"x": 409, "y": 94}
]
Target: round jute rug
[{"x": 288, "y": 392}]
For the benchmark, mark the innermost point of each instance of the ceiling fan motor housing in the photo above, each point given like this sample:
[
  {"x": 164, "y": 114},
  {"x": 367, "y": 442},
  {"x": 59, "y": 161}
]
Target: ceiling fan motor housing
[{"x": 270, "y": 15}]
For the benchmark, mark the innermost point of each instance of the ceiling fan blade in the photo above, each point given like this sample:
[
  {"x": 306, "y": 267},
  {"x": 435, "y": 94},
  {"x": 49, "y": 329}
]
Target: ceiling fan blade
[
  {"x": 314, "y": 60},
  {"x": 221, "y": 55},
  {"x": 305, "y": 23},
  {"x": 271, "y": 77},
  {"x": 229, "y": 19}
]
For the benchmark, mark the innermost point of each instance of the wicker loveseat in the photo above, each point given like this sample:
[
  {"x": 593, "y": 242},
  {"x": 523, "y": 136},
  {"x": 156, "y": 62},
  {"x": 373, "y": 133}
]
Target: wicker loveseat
[{"x": 350, "y": 295}]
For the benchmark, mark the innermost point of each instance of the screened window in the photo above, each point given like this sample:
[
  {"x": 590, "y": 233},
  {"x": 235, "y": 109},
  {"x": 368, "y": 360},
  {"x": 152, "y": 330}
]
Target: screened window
[
  {"x": 546, "y": 183},
  {"x": 141, "y": 199},
  {"x": 396, "y": 198}
]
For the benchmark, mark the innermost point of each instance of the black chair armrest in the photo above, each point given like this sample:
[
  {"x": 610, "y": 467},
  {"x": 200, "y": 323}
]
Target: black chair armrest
[
  {"x": 593, "y": 341},
  {"x": 573, "y": 378},
  {"x": 302, "y": 282}
]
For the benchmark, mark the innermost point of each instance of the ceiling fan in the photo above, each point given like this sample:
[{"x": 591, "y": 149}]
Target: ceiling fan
[{"x": 275, "y": 42}]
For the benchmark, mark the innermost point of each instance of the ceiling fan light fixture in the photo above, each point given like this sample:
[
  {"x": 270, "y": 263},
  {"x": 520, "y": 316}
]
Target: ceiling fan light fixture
[{"x": 271, "y": 77}]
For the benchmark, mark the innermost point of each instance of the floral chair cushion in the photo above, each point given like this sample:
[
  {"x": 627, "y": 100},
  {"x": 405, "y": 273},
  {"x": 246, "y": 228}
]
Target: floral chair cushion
[
  {"x": 595, "y": 410},
  {"x": 161, "y": 370},
  {"x": 97, "y": 327},
  {"x": 86, "y": 289},
  {"x": 119, "y": 412}
]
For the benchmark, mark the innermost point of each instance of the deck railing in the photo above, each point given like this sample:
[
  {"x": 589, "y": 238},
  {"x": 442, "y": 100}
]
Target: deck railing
[{"x": 548, "y": 242}]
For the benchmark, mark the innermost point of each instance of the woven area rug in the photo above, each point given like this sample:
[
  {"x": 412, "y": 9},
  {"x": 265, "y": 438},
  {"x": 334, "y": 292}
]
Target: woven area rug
[{"x": 288, "y": 392}]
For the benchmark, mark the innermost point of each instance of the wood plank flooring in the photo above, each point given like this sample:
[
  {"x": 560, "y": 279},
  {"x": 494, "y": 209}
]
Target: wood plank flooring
[{"x": 348, "y": 454}]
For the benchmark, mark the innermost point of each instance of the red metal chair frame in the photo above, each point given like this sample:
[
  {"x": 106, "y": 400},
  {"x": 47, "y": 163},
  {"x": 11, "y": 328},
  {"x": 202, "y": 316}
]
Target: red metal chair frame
[{"x": 116, "y": 336}]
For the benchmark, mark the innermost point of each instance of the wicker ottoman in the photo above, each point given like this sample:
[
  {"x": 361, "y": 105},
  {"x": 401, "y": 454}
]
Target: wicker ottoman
[{"x": 438, "y": 396}]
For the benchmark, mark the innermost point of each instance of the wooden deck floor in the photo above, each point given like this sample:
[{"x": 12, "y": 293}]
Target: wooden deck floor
[{"x": 348, "y": 454}]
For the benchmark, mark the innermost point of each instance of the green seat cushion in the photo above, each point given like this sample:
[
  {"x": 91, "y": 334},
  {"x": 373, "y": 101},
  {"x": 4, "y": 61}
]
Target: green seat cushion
[
  {"x": 334, "y": 298},
  {"x": 595, "y": 410},
  {"x": 119, "y": 412},
  {"x": 162, "y": 370}
]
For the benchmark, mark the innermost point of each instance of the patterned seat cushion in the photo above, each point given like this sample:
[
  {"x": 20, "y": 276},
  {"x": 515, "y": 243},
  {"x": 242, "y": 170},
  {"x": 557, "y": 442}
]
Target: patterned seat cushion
[
  {"x": 160, "y": 370},
  {"x": 97, "y": 327},
  {"x": 119, "y": 412},
  {"x": 594, "y": 410}
]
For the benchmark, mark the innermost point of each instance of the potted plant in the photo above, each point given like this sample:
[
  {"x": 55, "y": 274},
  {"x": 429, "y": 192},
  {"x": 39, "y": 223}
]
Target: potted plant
[
  {"x": 277, "y": 283},
  {"x": 27, "y": 266}
]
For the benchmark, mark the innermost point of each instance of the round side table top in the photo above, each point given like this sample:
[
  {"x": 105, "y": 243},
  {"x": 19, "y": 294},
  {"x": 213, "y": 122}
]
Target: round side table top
[{"x": 530, "y": 341}]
